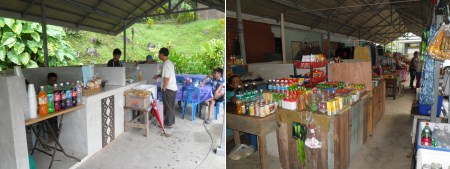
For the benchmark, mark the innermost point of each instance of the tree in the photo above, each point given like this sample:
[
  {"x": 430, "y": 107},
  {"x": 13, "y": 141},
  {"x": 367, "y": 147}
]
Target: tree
[{"x": 21, "y": 45}]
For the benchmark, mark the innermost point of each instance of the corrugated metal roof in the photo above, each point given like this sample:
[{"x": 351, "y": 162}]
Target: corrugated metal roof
[
  {"x": 102, "y": 16},
  {"x": 374, "y": 20}
]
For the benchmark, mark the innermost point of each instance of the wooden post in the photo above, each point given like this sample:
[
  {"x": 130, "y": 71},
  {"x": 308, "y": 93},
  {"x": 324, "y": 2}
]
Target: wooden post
[
  {"x": 283, "y": 43},
  {"x": 240, "y": 30},
  {"x": 124, "y": 42}
]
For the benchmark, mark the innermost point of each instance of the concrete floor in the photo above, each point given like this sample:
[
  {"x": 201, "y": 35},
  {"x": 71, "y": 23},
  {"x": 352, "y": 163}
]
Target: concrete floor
[
  {"x": 186, "y": 147},
  {"x": 389, "y": 148}
]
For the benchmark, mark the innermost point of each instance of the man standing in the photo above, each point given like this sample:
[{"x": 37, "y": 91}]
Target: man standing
[
  {"x": 168, "y": 86},
  {"x": 413, "y": 68},
  {"x": 115, "y": 62}
]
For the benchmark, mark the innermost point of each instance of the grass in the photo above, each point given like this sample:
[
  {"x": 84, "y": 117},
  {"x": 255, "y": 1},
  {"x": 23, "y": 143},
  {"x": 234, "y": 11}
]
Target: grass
[{"x": 184, "y": 38}]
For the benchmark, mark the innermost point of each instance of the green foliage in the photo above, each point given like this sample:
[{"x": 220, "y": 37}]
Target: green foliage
[
  {"x": 210, "y": 56},
  {"x": 150, "y": 22},
  {"x": 21, "y": 45},
  {"x": 187, "y": 16}
]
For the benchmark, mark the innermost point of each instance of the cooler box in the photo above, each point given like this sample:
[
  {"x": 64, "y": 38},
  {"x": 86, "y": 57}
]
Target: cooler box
[
  {"x": 431, "y": 125},
  {"x": 426, "y": 109},
  {"x": 425, "y": 156},
  {"x": 139, "y": 102}
]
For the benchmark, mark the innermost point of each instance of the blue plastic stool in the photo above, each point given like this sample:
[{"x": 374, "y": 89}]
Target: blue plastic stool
[
  {"x": 217, "y": 108},
  {"x": 191, "y": 92}
]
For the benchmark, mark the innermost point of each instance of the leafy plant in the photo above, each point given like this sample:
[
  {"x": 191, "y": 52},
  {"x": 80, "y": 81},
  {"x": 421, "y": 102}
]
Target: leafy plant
[
  {"x": 186, "y": 16},
  {"x": 150, "y": 22},
  {"x": 21, "y": 45}
]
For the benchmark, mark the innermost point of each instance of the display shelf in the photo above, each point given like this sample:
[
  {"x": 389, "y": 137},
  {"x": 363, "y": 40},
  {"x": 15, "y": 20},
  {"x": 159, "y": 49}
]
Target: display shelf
[{"x": 308, "y": 65}]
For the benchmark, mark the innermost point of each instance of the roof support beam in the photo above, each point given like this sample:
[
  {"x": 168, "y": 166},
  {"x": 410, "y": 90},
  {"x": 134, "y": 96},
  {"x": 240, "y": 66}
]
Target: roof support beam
[
  {"x": 156, "y": 6},
  {"x": 367, "y": 21},
  {"x": 86, "y": 16},
  {"x": 296, "y": 6},
  {"x": 177, "y": 12},
  {"x": 329, "y": 13},
  {"x": 93, "y": 10},
  {"x": 25, "y": 13},
  {"x": 373, "y": 29},
  {"x": 377, "y": 9},
  {"x": 352, "y": 17}
]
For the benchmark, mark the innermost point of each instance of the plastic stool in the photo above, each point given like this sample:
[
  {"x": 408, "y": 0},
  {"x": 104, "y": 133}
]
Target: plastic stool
[{"x": 217, "y": 108}]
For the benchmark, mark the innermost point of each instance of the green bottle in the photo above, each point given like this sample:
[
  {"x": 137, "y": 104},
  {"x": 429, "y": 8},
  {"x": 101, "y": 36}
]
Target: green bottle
[{"x": 50, "y": 100}]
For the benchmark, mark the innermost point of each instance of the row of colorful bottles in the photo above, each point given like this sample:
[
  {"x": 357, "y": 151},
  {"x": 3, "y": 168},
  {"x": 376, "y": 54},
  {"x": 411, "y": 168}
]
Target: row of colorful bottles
[
  {"x": 259, "y": 108},
  {"x": 438, "y": 138},
  {"x": 53, "y": 99}
]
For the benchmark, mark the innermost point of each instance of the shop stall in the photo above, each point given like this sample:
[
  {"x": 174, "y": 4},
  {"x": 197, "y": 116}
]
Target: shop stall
[{"x": 83, "y": 129}]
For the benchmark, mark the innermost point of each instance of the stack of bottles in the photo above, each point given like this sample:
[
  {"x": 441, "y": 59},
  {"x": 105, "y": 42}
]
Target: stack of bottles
[
  {"x": 250, "y": 101},
  {"x": 438, "y": 138},
  {"x": 55, "y": 98}
]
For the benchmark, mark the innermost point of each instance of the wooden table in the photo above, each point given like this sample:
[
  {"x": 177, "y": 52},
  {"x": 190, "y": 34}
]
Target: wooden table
[
  {"x": 393, "y": 84},
  {"x": 342, "y": 135},
  {"x": 260, "y": 126},
  {"x": 55, "y": 134}
]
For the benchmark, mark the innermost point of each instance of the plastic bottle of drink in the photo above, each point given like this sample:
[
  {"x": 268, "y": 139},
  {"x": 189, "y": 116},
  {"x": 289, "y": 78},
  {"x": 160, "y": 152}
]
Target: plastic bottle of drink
[
  {"x": 246, "y": 89},
  {"x": 79, "y": 92},
  {"x": 436, "y": 136},
  {"x": 238, "y": 104},
  {"x": 42, "y": 101},
  {"x": 63, "y": 96},
  {"x": 276, "y": 86},
  {"x": 74, "y": 95},
  {"x": 445, "y": 137},
  {"x": 426, "y": 136},
  {"x": 57, "y": 97},
  {"x": 269, "y": 85},
  {"x": 68, "y": 92},
  {"x": 50, "y": 100}
]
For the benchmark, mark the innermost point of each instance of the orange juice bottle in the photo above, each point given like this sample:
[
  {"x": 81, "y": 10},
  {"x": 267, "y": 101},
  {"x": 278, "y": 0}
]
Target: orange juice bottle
[{"x": 42, "y": 101}]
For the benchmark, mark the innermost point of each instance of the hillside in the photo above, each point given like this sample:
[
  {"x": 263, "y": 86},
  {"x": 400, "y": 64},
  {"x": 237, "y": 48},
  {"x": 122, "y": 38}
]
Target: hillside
[{"x": 186, "y": 39}]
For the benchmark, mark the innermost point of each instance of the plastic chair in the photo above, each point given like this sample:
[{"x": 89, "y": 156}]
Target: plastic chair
[
  {"x": 190, "y": 99},
  {"x": 217, "y": 108},
  {"x": 180, "y": 79}
]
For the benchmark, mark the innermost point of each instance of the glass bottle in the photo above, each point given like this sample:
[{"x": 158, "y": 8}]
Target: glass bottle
[{"x": 323, "y": 104}]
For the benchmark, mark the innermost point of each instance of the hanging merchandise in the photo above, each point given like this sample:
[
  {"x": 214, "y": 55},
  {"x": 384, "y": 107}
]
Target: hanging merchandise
[
  {"x": 313, "y": 136},
  {"x": 439, "y": 46},
  {"x": 427, "y": 82}
]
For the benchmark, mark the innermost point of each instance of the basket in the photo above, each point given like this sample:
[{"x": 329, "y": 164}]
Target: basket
[
  {"x": 308, "y": 65},
  {"x": 90, "y": 92}
]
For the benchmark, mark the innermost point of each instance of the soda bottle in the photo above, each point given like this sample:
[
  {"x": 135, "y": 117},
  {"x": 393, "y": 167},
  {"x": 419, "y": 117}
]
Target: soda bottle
[
  {"x": 246, "y": 89},
  {"x": 269, "y": 85},
  {"x": 79, "y": 92},
  {"x": 426, "y": 136},
  {"x": 238, "y": 104},
  {"x": 63, "y": 96},
  {"x": 68, "y": 92},
  {"x": 74, "y": 95},
  {"x": 50, "y": 100},
  {"x": 436, "y": 137},
  {"x": 42, "y": 101},
  {"x": 57, "y": 97}
]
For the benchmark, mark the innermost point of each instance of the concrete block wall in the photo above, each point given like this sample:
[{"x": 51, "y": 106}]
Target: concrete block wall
[
  {"x": 114, "y": 75},
  {"x": 14, "y": 104},
  {"x": 38, "y": 76}
]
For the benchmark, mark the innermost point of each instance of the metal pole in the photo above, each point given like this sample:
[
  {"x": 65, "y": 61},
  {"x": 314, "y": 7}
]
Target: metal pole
[
  {"x": 240, "y": 30},
  {"x": 283, "y": 43},
  {"x": 44, "y": 32},
  {"x": 329, "y": 38},
  {"x": 124, "y": 42},
  {"x": 437, "y": 65},
  {"x": 221, "y": 148}
]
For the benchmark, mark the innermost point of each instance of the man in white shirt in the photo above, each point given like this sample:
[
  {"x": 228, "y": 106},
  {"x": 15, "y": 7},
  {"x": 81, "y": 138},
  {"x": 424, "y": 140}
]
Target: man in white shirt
[{"x": 168, "y": 86}]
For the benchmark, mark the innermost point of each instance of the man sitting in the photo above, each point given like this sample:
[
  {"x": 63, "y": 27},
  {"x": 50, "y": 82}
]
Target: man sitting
[{"x": 217, "y": 82}]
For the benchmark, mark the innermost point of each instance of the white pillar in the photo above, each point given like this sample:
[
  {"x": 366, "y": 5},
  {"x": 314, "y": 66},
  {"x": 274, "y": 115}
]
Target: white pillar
[
  {"x": 240, "y": 30},
  {"x": 283, "y": 43},
  {"x": 44, "y": 32},
  {"x": 13, "y": 140}
]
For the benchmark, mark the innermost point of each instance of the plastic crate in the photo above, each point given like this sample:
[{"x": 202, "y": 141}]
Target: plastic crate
[
  {"x": 308, "y": 65},
  {"x": 426, "y": 109},
  {"x": 137, "y": 102},
  {"x": 425, "y": 156},
  {"x": 431, "y": 125},
  {"x": 151, "y": 88}
]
